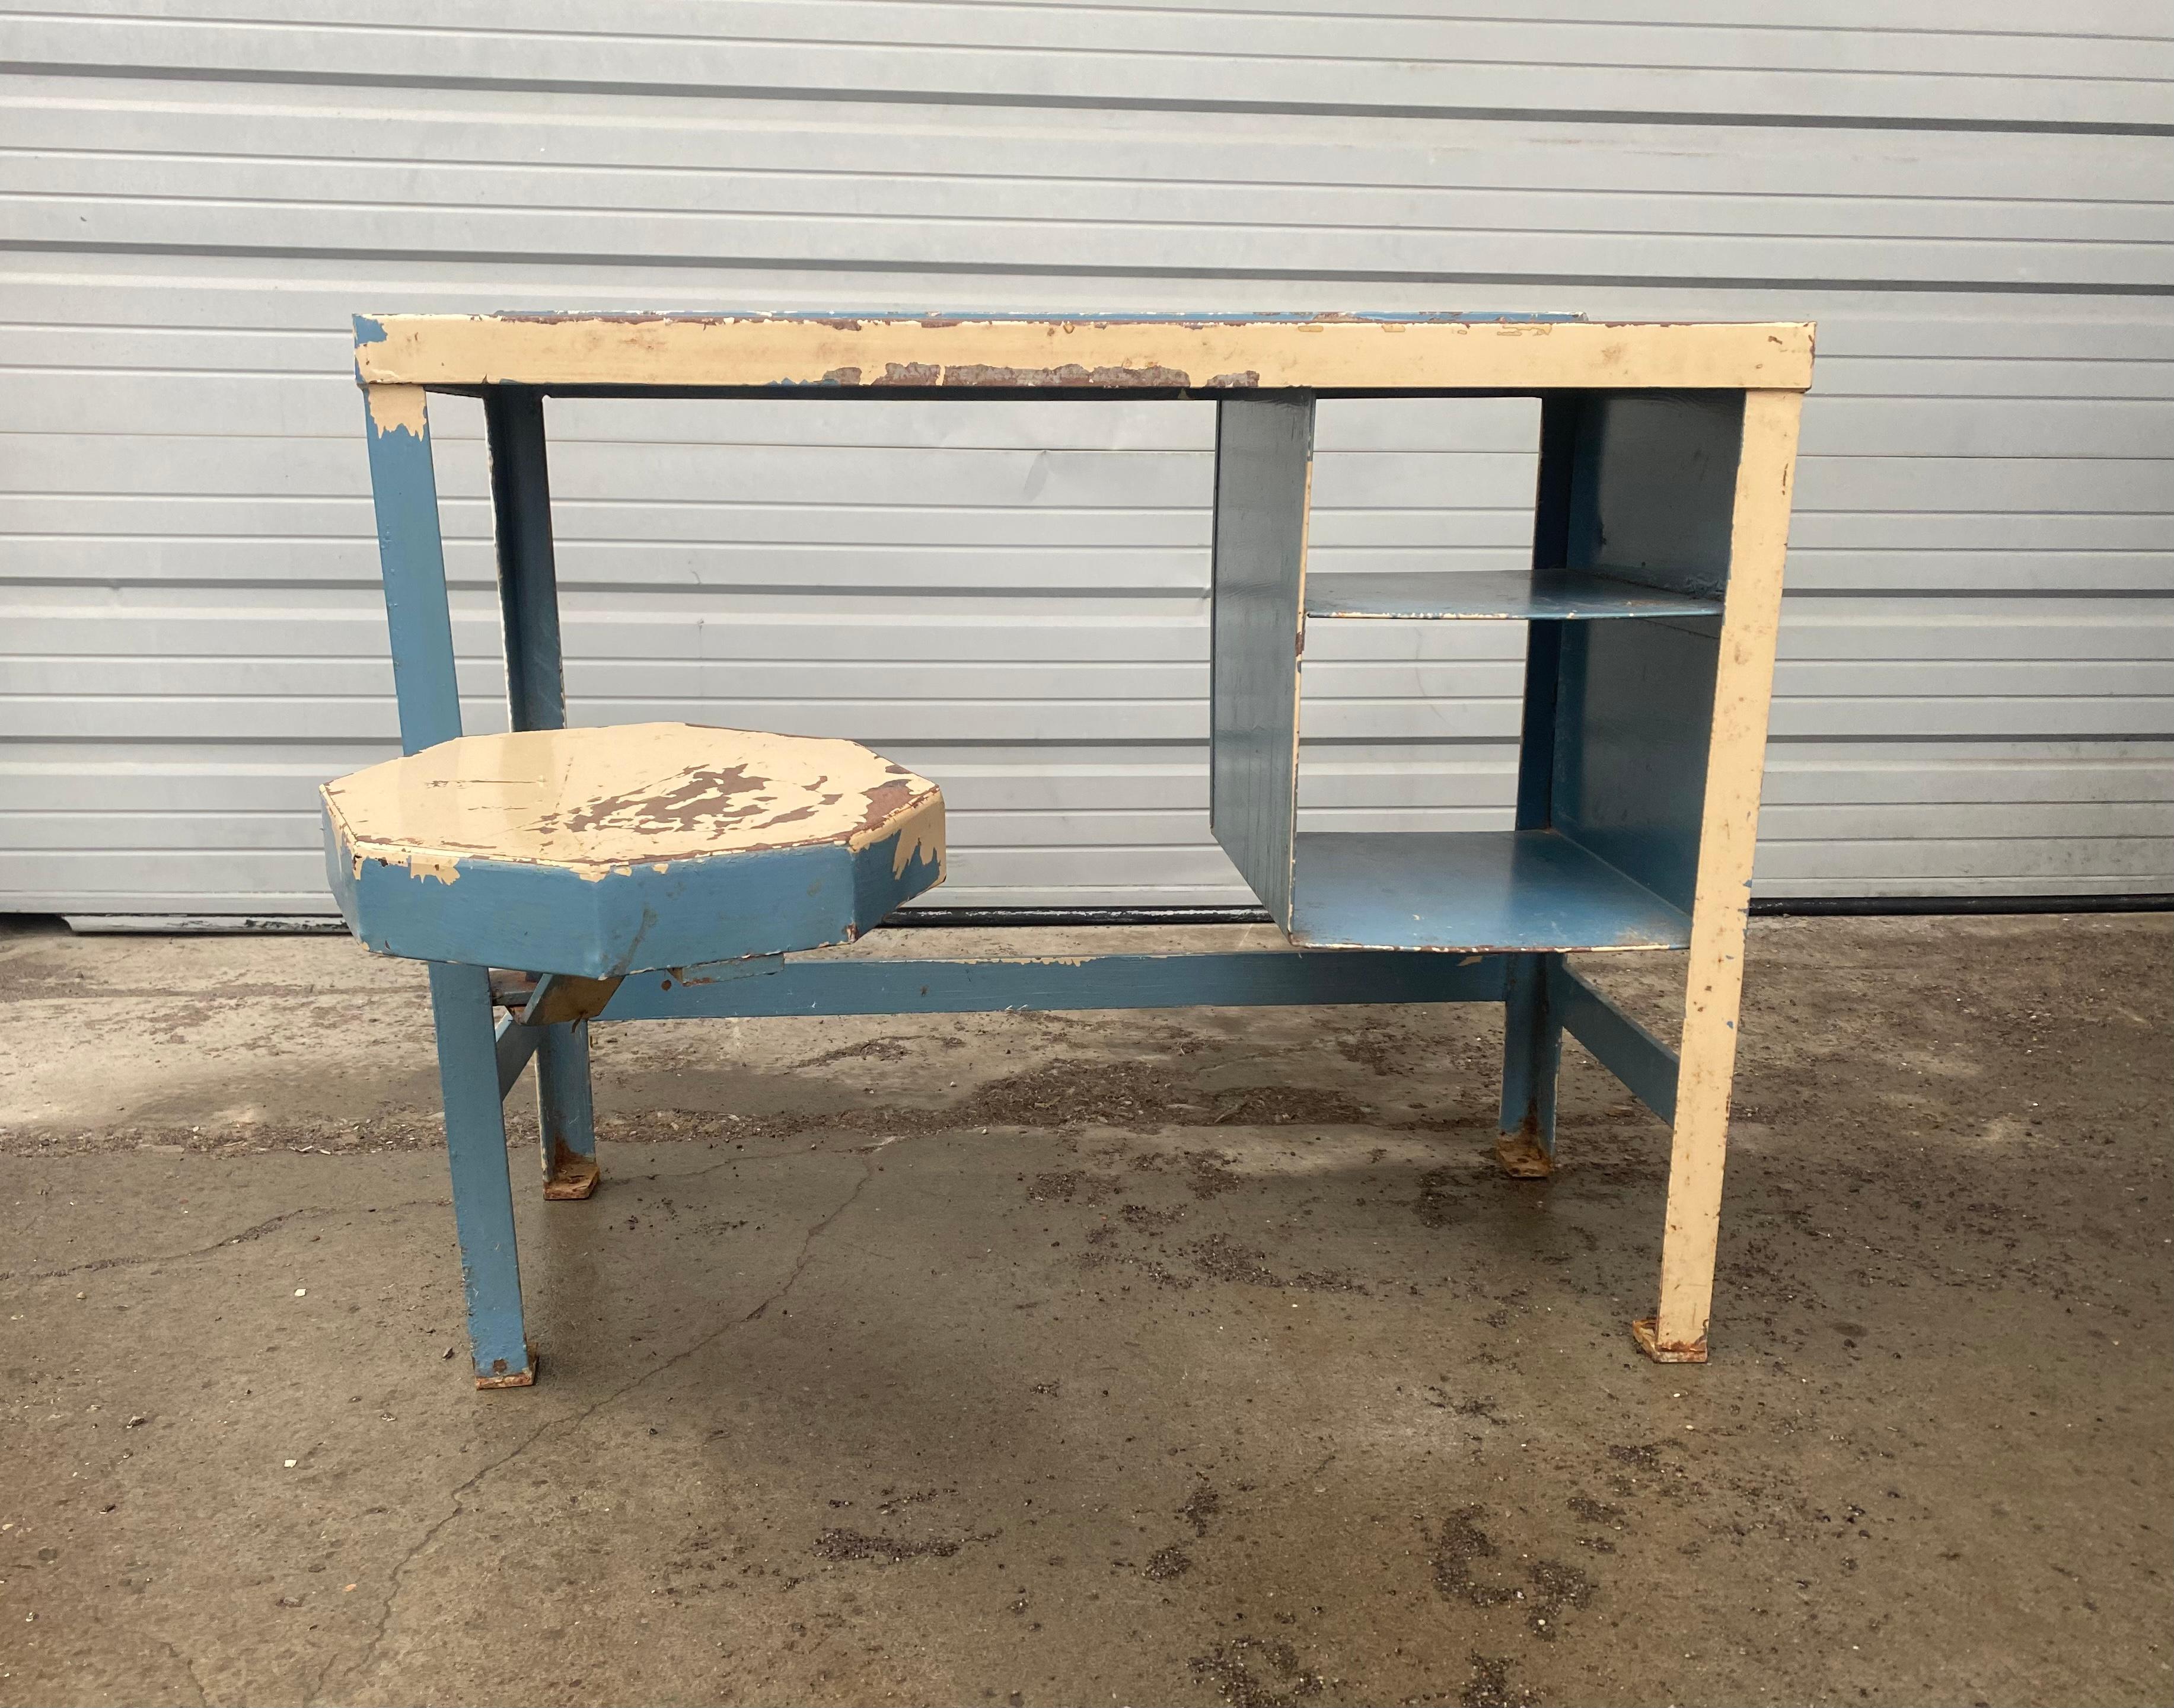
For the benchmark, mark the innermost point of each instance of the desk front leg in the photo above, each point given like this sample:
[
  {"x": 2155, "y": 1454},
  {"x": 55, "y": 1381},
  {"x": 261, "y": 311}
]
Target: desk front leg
[
  {"x": 1676, "y": 1333},
  {"x": 483, "y": 1193}
]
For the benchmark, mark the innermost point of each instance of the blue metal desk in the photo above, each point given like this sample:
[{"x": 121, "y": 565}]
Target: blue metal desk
[{"x": 1666, "y": 458}]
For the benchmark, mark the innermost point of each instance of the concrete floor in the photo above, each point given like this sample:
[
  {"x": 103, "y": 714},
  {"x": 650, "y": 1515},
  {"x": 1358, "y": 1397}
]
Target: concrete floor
[{"x": 1150, "y": 1358}]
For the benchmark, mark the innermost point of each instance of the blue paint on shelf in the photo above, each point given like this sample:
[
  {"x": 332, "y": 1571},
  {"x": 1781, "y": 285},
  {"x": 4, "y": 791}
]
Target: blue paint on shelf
[{"x": 1491, "y": 891}]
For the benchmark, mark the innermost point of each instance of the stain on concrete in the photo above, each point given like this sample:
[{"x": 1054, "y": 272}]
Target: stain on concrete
[{"x": 1258, "y": 1673}]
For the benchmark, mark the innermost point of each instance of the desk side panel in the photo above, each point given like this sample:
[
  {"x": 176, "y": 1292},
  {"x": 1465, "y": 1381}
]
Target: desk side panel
[
  {"x": 1634, "y": 715},
  {"x": 1263, "y": 476},
  {"x": 1659, "y": 487},
  {"x": 1654, "y": 494}
]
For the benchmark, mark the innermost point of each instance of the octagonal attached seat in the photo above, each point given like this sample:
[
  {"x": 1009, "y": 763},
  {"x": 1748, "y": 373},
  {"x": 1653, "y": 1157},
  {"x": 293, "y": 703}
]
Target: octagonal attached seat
[{"x": 597, "y": 852}]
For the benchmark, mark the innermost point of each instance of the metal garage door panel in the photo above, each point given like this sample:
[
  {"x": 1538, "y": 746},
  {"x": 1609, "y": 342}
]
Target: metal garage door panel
[{"x": 1970, "y": 690}]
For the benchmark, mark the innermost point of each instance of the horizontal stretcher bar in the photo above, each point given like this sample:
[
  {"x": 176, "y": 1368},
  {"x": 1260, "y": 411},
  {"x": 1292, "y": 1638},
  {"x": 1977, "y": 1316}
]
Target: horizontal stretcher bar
[
  {"x": 772, "y": 986},
  {"x": 1237, "y": 980},
  {"x": 1646, "y": 1066},
  {"x": 515, "y": 1043}
]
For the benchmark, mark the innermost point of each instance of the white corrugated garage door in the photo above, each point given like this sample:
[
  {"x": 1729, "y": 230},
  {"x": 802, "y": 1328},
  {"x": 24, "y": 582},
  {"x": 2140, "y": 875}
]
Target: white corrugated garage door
[{"x": 1975, "y": 687}]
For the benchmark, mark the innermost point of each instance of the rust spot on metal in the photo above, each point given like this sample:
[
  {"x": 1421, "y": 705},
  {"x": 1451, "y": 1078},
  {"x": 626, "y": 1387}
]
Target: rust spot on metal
[
  {"x": 1524, "y": 1157},
  {"x": 511, "y": 990},
  {"x": 500, "y": 1377},
  {"x": 569, "y": 1175},
  {"x": 1235, "y": 381},
  {"x": 910, "y": 374},
  {"x": 844, "y": 377},
  {"x": 1646, "y": 1332},
  {"x": 565, "y": 998}
]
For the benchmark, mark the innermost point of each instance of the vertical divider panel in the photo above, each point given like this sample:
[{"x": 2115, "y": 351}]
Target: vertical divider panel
[
  {"x": 1552, "y": 506},
  {"x": 1263, "y": 490},
  {"x": 1654, "y": 500}
]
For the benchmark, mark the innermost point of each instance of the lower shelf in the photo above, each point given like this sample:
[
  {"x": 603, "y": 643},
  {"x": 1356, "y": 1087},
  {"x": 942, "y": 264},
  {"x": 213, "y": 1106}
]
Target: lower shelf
[
  {"x": 1526, "y": 595},
  {"x": 1514, "y": 891}
]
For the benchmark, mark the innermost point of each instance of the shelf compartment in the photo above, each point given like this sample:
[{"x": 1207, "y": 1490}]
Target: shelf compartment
[
  {"x": 1513, "y": 595},
  {"x": 1481, "y": 891}
]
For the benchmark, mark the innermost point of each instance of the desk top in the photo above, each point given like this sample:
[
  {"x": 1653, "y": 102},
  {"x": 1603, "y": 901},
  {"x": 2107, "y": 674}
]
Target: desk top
[{"x": 1347, "y": 355}]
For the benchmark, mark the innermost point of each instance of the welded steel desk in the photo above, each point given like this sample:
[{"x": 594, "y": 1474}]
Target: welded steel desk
[{"x": 1665, "y": 461}]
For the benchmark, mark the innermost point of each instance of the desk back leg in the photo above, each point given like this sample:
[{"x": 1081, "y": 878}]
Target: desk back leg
[
  {"x": 567, "y": 1115},
  {"x": 482, "y": 1190},
  {"x": 1532, "y": 1034},
  {"x": 536, "y": 699},
  {"x": 1531, "y": 1057}
]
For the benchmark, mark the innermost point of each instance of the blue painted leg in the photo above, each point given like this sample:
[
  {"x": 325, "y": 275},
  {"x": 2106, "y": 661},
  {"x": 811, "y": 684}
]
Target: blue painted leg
[
  {"x": 1532, "y": 1051},
  {"x": 536, "y": 697},
  {"x": 482, "y": 1191},
  {"x": 1531, "y": 1032},
  {"x": 566, "y": 1117}
]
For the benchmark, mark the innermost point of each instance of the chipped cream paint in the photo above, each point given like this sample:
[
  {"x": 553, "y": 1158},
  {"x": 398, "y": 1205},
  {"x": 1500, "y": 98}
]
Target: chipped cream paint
[
  {"x": 392, "y": 407},
  {"x": 444, "y": 868},
  {"x": 1743, "y": 687},
  {"x": 603, "y": 800},
  {"x": 920, "y": 838},
  {"x": 1330, "y": 353}
]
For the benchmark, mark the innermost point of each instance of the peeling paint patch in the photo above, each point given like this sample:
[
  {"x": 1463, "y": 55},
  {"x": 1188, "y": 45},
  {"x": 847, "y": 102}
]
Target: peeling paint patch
[
  {"x": 421, "y": 864},
  {"x": 1150, "y": 377},
  {"x": 397, "y": 409},
  {"x": 920, "y": 839}
]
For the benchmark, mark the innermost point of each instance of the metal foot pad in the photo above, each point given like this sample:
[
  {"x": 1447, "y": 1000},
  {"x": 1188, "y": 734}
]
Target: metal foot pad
[
  {"x": 513, "y": 1379},
  {"x": 573, "y": 1177},
  {"x": 1646, "y": 1332},
  {"x": 1524, "y": 1157}
]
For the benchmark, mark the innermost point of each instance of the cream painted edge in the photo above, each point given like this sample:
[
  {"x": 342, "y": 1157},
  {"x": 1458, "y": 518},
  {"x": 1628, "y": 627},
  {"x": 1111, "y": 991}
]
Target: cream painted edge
[
  {"x": 918, "y": 828},
  {"x": 848, "y": 355},
  {"x": 1743, "y": 688}
]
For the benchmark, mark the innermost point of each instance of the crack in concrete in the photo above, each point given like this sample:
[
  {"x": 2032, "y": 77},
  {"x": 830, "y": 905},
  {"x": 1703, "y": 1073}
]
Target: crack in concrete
[
  {"x": 792, "y": 1152},
  {"x": 242, "y": 1238},
  {"x": 188, "y": 1666},
  {"x": 574, "y": 1420}
]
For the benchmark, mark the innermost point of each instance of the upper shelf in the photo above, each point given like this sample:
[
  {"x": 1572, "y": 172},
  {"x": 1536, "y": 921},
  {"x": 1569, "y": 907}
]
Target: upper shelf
[{"x": 1539, "y": 595}]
